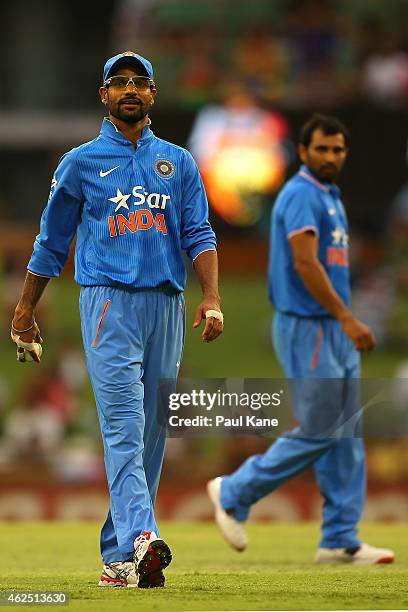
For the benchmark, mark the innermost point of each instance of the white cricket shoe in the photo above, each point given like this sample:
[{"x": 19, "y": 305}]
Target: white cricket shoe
[
  {"x": 232, "y": 530},
  {"x": 152, "y": 555},
  {"x": 119, "y": 574},
  {"x": 363, "y": 555}
]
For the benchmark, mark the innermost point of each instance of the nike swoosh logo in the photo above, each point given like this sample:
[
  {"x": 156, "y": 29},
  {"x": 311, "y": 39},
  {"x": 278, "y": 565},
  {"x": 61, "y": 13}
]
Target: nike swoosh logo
[{"x": 102, "y": 174}]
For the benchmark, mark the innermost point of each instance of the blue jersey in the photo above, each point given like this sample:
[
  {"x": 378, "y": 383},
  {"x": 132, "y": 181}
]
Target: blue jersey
[
  {"x": 307, "y": 204},
  {"x": 134, "y": 209}
]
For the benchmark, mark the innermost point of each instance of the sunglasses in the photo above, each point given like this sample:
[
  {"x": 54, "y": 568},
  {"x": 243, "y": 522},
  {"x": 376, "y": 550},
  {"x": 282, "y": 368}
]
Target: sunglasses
[{"x": 122, "y": 82}]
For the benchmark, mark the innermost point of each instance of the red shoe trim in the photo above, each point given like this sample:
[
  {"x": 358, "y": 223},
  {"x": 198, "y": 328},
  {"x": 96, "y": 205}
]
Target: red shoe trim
[
  {"x": 115, "y": 580},
  {"x": 385, "y": 560}
]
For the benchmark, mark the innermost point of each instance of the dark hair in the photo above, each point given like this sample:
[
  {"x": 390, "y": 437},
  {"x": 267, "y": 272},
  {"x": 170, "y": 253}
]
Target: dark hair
[{"x": 329, "y": 126}]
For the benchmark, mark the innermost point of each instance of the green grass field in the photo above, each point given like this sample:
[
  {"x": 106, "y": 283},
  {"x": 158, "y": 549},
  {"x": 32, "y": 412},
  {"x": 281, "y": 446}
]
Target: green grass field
[{"x": 276, "y": 572}]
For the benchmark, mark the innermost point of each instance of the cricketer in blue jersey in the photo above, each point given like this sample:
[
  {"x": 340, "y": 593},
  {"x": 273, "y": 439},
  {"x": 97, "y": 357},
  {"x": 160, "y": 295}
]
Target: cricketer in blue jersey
[
  {"x": 316, "y": 337},
  {"x": 135, "y": 203}
]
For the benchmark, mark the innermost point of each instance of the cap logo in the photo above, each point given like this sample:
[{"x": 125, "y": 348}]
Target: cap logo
[
  {"x": 129, "y": 53},
  {"x": 164, "y": 168}
]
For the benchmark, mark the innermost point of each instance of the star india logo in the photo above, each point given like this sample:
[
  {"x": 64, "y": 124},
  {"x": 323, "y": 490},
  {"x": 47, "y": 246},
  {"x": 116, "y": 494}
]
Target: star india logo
[
  {"x": 340, "y": 237},
  {"x": 53, "y": 185},
  {"x": 120, "y": 200},
  {"x": 139, "y": 219},
  {"x": 338, "y": 255},
  {"x": 164, "y": 168}
]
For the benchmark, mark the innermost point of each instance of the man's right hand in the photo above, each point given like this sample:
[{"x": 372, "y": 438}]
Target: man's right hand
[
  {"x": 28, "y": 342},
  {"x": 358, "y": 332}
]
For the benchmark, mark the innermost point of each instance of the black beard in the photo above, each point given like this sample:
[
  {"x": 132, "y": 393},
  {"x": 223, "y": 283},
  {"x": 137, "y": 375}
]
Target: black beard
[
  {"x": 331, "y": 178},
  {"x": 129, "y": 117}
]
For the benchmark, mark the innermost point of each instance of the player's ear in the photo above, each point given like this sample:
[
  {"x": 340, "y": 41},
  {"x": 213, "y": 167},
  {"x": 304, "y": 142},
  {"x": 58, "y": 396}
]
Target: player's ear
[
  {"x": 302, "y": 152},
  {"x": 103, "y": 93}
]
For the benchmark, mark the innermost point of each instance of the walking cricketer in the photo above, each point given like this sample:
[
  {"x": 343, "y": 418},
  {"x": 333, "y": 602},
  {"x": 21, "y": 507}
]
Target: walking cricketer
[
  {"x": 135, "y": 203},
  {"x": 316, "y": 337}
]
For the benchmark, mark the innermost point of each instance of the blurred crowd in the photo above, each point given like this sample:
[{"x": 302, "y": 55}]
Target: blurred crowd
[{"x": 290, "y": 53}]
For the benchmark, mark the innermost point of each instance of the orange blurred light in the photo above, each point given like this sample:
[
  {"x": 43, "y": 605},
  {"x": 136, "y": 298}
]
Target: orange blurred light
[{"x": 238, "y": 177}]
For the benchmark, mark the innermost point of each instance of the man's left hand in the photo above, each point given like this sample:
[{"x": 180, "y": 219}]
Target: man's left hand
[{"x": 214, "y": 325}]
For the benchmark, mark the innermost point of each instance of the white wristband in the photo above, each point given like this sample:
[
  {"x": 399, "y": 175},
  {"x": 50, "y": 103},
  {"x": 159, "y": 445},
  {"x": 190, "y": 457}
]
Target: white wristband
[{"x": 215, "y": 314}]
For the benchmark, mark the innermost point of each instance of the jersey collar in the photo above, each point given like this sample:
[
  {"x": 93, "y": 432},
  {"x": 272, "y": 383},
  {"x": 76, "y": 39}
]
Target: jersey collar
[
  {"x": 109, "y": 130},
  {"x": 306, "y": 174}
]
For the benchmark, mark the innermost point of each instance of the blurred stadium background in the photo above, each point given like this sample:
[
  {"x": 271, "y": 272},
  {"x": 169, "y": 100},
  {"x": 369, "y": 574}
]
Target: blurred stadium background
[{"x": 236, "y": 80}]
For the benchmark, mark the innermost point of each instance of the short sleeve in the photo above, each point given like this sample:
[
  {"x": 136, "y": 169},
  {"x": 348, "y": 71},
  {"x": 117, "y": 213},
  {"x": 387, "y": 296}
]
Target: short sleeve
[{"x": 302, "y": 213}]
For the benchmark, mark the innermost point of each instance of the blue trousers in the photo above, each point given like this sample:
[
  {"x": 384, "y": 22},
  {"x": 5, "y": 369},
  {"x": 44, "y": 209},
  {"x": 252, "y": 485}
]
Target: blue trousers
[
  {"x": 313, "y": 349},
  {"x": 132, "y": 340}
]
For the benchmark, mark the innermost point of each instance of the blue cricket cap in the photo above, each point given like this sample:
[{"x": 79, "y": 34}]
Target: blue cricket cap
[{"x": 127, "y": 57}]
